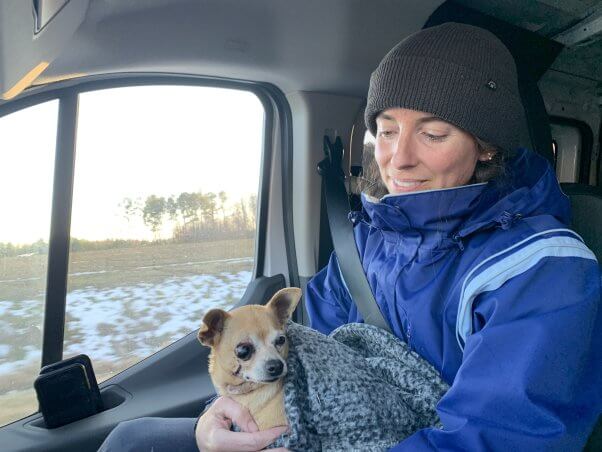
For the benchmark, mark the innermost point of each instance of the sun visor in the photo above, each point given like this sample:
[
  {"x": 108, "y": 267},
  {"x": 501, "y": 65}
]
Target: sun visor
[{"x": 32, "y": 35}]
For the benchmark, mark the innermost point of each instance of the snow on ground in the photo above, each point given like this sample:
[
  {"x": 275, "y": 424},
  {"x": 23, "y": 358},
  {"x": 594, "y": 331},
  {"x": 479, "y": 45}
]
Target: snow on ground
[{"x": 119, "y": 323}]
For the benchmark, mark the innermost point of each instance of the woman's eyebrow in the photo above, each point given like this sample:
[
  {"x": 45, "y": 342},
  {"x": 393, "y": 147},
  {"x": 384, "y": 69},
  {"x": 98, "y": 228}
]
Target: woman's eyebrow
[
  {"x": 420, "y": 121},
  {"x": 385, "y": 117},
  {"x": 429, "y": 119}
]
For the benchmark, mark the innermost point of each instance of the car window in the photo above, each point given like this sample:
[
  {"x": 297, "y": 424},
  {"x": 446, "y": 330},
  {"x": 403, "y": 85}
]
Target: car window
[
  {"x": 568, "y": 148},
  {"x": 162, "y": 228},
  {"x": 27, "y": 142},
  {"x": 163, "y": 223}
]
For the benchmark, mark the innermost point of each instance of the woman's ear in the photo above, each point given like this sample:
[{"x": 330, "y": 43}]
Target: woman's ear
[
  {"x": 485, "y": 150},
  {"x": 212, "y": 327},
  {"x": 284, "y": 302},
  {"x": 487, "y": 155}
]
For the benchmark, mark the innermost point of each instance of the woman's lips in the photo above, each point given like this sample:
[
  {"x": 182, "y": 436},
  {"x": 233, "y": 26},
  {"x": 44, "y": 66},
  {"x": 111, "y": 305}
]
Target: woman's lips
[{"x": 405, "y": 185}]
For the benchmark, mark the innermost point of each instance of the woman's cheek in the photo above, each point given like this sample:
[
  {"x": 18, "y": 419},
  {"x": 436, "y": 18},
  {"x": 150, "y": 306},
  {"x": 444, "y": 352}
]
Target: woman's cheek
[
  {"x": 464, "y": 175},
  {"x": 381, "y": 155},
  {"x": 379, "y": 159}
]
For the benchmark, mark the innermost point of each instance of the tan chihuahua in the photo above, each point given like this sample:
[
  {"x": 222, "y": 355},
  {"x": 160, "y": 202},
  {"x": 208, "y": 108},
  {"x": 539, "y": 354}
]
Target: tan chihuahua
[{"x": 248, "y": 354}]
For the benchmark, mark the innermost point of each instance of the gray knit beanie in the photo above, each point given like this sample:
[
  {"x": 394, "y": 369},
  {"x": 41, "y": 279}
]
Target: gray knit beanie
[{"x": 460, "y": 73}]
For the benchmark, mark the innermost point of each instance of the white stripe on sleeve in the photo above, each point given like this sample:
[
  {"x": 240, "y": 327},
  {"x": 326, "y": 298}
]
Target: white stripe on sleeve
[{"x": 513, "y": 265}]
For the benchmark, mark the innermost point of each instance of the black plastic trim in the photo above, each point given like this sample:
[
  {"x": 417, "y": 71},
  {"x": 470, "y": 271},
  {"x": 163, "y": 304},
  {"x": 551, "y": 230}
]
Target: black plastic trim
[
  {"x": 599, "y": 159},
  {"x": 60, "y": 225},
  {"x": 285, "y": 116},
  {"x": 260, "y": 290},
  {"x": 264, "y": 185}
]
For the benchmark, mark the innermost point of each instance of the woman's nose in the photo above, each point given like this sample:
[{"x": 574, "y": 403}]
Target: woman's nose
[{"x": 404, "y": 154}]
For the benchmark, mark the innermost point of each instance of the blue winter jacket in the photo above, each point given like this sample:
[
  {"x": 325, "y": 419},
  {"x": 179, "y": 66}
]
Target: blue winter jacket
[{"x": 489, "y": 285}]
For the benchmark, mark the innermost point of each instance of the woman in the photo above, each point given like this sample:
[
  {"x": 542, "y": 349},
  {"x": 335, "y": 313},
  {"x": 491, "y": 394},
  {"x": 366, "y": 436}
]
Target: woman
[
  {"x": 483, "y": 280},
  {"x": 468, "y": 256}
]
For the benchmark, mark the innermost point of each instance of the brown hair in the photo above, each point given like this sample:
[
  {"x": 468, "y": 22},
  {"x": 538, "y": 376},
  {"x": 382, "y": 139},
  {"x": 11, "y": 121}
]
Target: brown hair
[
  {"x": 490, "y": 169},
  {"x": 370, "y": 182}
]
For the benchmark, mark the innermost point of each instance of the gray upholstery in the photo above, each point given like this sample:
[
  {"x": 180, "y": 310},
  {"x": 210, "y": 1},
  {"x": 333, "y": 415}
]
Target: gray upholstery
[{"x": 586, "y": 202}]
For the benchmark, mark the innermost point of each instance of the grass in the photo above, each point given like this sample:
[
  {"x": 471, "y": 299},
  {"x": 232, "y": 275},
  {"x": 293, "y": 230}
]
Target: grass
[{"x": 24, "y": 278}]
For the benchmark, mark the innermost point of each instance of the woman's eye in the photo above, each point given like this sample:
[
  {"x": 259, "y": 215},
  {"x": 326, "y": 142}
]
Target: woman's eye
[
  {"x": 244, "y": 351},
  {"x": 280, "y": 341},
  {"x": 432, "y": 137},
  {"x": 386, "y": 133}
]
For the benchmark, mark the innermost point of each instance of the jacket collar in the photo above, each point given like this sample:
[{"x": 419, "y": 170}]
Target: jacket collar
[
  {"x": 529, "y": 188},
  {"x": 441, "y": 211}
]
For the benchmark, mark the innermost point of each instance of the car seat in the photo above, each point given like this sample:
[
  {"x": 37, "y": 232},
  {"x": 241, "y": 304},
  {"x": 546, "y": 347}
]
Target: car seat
[{"x": 533, "y": 55}]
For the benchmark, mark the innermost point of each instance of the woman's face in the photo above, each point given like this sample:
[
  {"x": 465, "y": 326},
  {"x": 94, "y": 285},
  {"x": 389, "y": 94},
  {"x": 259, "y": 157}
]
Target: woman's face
[{"x": 417, "y": 151}]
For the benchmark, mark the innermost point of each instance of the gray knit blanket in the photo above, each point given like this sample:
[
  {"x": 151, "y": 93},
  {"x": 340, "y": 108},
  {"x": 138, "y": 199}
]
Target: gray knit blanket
[{"x": 358, "y": 389}]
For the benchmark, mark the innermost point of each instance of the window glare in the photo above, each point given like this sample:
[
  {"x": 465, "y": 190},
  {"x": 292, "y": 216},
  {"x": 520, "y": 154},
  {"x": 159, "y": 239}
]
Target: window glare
[
  {"x": 161, "y": 140},
  {"x": 164, "y": 216},
  {"x": 27, "y": 143}
]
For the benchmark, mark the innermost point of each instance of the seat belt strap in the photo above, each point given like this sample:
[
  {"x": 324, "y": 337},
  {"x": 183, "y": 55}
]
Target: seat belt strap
[{"x": 341, "y": 231}]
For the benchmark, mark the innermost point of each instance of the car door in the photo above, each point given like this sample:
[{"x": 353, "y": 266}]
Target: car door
[{"x": 133, "y": 205}]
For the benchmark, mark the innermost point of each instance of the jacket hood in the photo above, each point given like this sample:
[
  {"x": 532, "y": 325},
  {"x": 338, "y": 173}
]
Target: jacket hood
[{"x": 529, "y": 188}]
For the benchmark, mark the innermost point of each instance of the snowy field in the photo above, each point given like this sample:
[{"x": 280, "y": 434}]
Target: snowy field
[
  {"x": 118, "y": 324},
  {"x": 123, "y": 304}
]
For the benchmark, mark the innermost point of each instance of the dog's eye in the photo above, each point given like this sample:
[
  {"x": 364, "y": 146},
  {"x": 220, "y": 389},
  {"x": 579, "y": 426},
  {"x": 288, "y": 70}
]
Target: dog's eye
[
  {"x": 280, "y": 340},
  {"x": 244, "y": 351}
]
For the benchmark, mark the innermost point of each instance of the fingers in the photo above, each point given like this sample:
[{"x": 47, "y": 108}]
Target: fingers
[
  {"x": 242, "y": 441},
  {"x": 239, "y": 415},
  {"x": 213, "y": 430}
]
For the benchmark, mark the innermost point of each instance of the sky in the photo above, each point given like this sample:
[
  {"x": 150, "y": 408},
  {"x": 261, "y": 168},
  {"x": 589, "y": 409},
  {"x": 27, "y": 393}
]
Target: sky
[{"x": 131, "y": 142}]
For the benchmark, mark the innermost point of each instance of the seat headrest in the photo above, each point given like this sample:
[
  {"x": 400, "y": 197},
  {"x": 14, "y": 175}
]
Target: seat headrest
[{"x": 586, "y": 204}]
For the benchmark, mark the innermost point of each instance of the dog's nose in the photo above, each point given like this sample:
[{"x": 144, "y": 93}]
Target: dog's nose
[{"x": 274, "y": 367}]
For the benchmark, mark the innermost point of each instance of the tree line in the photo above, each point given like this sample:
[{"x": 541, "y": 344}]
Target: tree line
[
  {"x": 10, "y": 249},
  {"x": 195, "y": 215},
  {"x": 41, "y": 247}
]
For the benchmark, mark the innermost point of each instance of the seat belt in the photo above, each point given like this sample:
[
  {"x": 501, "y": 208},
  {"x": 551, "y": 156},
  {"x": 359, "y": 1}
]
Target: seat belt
[{"x": 341, "y": 231}]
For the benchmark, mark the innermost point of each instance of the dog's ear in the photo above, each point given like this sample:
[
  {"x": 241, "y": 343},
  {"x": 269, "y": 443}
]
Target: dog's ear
[
  {"x": 212, "y": 327},
  {"x": 284, "y": 302}
]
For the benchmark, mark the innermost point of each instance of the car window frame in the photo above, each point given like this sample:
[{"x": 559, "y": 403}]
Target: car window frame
[{"x": 276, "y": 114}]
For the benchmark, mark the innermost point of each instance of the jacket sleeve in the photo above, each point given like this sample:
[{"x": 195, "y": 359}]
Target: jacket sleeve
[
  {"x": 326, "y": 298},
  {"x": 531, "y": 375}
]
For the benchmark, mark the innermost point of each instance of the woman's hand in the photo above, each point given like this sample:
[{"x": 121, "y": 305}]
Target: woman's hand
[{"x": 213, "y": 430}]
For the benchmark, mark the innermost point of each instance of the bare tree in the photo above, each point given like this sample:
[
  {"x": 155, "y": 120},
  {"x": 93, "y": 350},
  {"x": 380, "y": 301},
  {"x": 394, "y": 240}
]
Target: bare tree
[
  {"x": 153, "y": 213},
  {"x": 131, "y": 207},
  {"x": 223, "y": 198},
  {"x": 209, "y": 207},
  {"x": 171, "y": 206},
  {"x": 188, "y": 203},
  {"x": 253, "y": 210}
]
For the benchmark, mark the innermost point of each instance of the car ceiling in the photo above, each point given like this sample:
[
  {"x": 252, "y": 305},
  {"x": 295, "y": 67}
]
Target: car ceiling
[
  {"x": 550, "y": 18},
  {"x": 309, "y": 45}
]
